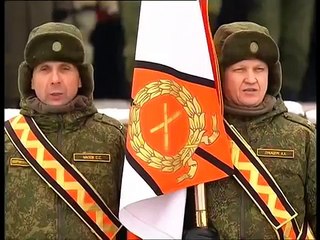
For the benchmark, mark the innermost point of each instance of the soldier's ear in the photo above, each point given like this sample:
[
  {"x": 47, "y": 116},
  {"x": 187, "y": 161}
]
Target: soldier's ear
[{"x": 24, "y": 80}]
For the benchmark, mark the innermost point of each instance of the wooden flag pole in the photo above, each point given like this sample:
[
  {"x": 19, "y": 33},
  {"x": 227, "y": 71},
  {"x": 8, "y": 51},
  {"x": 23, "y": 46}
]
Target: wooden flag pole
[{"x": 200, "y": 205}]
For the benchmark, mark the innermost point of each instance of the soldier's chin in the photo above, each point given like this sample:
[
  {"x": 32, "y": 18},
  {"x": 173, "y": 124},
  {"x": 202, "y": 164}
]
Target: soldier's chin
[
  {"x": 56, "y": 102},
  {"x": 251, "y": 102}
]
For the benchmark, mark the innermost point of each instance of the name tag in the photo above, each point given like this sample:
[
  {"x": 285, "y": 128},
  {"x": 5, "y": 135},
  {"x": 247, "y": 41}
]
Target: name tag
[
  {"x": 276, "y": 153},
  {"x": 18, "y": 162},
  {"x": 92, "y": 157}
]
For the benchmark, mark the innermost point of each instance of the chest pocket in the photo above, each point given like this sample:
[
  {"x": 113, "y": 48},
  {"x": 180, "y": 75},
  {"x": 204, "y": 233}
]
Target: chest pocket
[
  {"x": 283, "y": 164},
  {"x": 279, "y": 161},
  {"x": 100, "y": 171},
  {"x": 97, "y": 168},
  {"x": 93, "y": 164}
]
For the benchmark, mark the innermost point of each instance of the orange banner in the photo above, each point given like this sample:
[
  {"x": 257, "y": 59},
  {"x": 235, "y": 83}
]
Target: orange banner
[{"x": 169, "y": 119}]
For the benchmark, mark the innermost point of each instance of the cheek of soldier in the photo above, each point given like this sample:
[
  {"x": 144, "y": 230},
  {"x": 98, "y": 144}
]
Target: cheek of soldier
[
  {"x": 245, "y": 83},
  {"x": 55, "y": 83}
]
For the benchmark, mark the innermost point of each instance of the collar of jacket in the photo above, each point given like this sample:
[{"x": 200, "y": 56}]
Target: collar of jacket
[
  {"x": 278, "y": 108},
  {"x": 70, "y": 117},
  {"x": 69, "y": 122},
  {"x": 265, "y": 106}
]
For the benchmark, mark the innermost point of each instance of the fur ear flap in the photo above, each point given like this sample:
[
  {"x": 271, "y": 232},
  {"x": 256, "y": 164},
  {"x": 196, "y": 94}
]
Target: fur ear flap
[
  {"x": 275, "y": 79},
  {"x": 24, "y": 80},
  {"x": 86, "y": 75}
]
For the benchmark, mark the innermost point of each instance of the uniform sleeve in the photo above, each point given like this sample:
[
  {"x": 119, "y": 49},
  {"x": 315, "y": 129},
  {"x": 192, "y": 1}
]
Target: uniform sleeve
[
  {"x": 311, "y": 200},
  {"x": 6, "y": 152}
]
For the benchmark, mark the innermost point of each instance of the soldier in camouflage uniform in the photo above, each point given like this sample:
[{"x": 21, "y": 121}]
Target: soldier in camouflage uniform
[
  {"x": 56, "y": 87},
  {"x": 251, "y": 82}
]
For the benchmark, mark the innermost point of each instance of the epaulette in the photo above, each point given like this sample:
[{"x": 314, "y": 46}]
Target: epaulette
[
  {"x": 301, "y": 120},
  {"x": 100, "y": 117}
]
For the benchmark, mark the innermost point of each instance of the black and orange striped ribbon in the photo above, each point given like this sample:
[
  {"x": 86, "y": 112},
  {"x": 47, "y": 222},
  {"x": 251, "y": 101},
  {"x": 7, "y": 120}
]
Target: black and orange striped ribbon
[
  {"x": 259, "y": 184},
  {"x": 62, "y": 177}
]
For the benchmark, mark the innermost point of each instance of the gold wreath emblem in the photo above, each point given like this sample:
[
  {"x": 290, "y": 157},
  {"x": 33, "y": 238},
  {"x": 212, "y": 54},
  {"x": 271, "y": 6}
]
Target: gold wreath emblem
[{"x": 196, "y": 131}]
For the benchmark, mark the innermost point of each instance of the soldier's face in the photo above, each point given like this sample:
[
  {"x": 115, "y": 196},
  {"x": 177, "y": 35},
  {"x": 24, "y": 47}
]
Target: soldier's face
[
  {"x": 245, "y": 83},
  {"x": 55, "y": 83}
]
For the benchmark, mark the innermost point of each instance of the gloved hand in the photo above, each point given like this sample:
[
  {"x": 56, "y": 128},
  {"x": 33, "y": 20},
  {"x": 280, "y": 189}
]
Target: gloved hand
[{"x": 200, "y": 234}]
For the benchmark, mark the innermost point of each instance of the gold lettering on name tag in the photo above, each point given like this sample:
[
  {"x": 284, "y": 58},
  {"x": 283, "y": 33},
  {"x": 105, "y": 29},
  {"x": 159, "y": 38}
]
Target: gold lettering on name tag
[
  {"x": 276, "y": 153},
  {"x": 18, "y": 162},
  {"x": 91, "y": 157}
]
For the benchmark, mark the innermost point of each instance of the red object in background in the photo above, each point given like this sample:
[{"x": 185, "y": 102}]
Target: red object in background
[{"x": 103, "y": 16}]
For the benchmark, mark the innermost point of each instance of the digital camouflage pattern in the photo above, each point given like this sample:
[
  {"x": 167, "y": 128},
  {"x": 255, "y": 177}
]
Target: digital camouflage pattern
[
  {"x": 267, "y": 126},
  {"x": 32, "y": 209},
  {"x": 231, "y": 211}
]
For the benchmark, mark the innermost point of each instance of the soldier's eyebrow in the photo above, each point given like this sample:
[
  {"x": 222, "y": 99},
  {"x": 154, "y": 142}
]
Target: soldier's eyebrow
[
  {"x": 41, "y": 65},
  {"x": 66, "y": 64}
]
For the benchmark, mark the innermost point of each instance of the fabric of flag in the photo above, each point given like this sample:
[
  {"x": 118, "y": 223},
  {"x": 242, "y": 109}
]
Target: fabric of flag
[{"x": 176, "y": 136}]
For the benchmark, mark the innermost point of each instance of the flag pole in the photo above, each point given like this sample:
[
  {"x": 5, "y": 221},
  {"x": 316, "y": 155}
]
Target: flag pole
[{"x": 200, "y": 205}]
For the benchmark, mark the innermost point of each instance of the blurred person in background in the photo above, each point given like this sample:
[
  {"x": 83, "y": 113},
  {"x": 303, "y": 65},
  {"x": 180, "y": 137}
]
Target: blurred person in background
[
  {"x": 108, "y": 41},
  {"x": 82, "y": 14},
  {"x": 290, "y": 25},
  {"x": 231, "y": 11},
  {"x": 309, "y": 83}
]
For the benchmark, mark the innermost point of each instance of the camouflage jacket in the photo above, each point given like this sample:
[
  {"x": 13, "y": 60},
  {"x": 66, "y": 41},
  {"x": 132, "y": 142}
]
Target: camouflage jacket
[
  {"x": 231, "y": 211},
  {"x": 32, "y": 209}
]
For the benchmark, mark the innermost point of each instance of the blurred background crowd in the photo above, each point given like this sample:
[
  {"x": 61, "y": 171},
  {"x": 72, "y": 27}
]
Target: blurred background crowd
[{"x": 110, "y": 30}]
